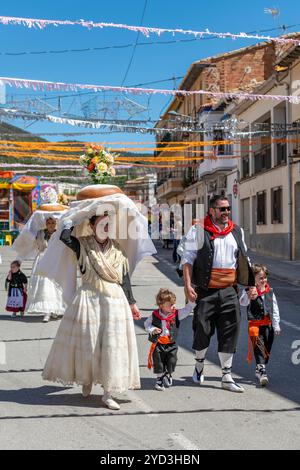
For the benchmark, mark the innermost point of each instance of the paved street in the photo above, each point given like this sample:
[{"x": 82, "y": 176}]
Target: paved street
[{"x": 38, "y": 415}]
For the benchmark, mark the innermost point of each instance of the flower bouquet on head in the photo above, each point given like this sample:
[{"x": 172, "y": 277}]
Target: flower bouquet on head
[
  {"x": 99, "y": 164},
  {"x": 62, "y": 199}
]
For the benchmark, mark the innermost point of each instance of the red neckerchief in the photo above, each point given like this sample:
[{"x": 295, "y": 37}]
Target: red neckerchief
[
  {"x": 167, "y": 319},
  {"x": 215, "y": 233},
  {"x": 263, "y": 292}
]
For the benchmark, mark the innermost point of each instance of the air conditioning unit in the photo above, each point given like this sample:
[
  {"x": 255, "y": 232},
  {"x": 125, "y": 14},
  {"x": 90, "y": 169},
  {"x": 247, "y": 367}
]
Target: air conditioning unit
[
  {"x": 222, "y": 182},
  {"x": 212, "y": 186}
]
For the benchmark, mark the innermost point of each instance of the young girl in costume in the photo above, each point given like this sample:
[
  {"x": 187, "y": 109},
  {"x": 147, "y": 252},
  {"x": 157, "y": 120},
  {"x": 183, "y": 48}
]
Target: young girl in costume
[
  {"x": 263, "y": 321},
  {"x": 16, "y": 284},
  {"x": 162, "y": 327}
]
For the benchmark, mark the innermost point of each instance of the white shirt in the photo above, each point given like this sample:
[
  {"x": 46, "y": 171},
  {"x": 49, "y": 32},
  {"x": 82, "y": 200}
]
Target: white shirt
[
  {"x": 245, "y": 301},
  {"x": 182, "y": 314},
  {"x": 225, "y": 248}
]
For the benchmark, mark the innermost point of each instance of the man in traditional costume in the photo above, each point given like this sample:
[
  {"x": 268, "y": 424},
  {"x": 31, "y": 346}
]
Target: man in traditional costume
[
  {"x": 214, "y": 262},
  {"x": 96, "y": 343}
]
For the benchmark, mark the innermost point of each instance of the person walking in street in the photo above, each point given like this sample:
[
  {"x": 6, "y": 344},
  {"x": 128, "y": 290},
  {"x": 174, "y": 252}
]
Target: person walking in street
[
  {"x": 263, "y": 321},
  {"x": 162, "y": 327},
  {"x": 16, "y": 285},
  {"x": 44, "y": 296},
  {"x": 214, "y": 262},
  {"x": 96, "y": 342},
  {"x": 40, "y": 288}
]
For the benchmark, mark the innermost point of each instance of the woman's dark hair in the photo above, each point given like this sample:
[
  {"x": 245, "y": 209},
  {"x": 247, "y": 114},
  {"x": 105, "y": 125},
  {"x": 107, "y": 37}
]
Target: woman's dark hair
[{"x": 93, "y": 219}]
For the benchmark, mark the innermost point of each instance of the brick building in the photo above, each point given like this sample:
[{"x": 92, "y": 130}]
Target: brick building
[{"x": 240, "y": 70}]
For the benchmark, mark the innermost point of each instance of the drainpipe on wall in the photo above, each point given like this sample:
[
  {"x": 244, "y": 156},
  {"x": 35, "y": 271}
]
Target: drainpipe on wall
[{"x": 289, "y": 169}]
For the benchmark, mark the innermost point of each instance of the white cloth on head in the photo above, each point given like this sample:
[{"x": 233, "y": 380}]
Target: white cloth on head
[
  {"x": 25, "y": 243},
  {"x": 127, "y": 226}
]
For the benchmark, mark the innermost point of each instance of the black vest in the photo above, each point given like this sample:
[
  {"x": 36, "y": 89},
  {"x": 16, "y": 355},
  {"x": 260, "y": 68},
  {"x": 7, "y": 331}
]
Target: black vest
[
  {"x": 257, "y": 309},
  {"x": 202, "y": 266},
  {"x": 173, "y": 331}
]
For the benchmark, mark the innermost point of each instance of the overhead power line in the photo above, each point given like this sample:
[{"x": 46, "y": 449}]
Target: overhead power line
[{"x": 283, "y": 28}]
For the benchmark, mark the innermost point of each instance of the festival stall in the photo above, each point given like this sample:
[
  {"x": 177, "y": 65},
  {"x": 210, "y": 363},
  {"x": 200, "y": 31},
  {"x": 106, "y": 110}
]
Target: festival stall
[{"x": 19, "y": 197}]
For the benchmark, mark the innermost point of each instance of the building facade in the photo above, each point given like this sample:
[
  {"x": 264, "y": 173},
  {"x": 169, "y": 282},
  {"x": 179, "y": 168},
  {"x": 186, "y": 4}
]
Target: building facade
[
  {"x": 269, "y": 167},
  {"x": 208, "y": 169}
]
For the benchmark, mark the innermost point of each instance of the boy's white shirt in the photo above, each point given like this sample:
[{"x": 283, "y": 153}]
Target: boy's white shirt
[
  {"x": 245, "y": 301},
  {"x": 182, "y": 314}
]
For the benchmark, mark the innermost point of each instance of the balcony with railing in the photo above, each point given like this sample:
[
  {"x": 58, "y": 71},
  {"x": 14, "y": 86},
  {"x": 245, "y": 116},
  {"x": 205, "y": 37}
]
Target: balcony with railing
[
  {"x": 222, "y": 159},
  {"x": 170, "y": 187}
]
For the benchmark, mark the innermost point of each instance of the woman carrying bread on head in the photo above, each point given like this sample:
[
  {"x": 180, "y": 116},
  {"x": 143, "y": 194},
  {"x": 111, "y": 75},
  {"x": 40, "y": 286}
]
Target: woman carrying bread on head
[{"x": 96, "y": 343}]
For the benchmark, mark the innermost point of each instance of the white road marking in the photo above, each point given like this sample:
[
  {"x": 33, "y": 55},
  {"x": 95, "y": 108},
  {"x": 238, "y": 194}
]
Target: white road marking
[
  {"x": 287, "y": 323},
  {"x": 2, "y": 353},
  {"x": 183, "y": 441}
]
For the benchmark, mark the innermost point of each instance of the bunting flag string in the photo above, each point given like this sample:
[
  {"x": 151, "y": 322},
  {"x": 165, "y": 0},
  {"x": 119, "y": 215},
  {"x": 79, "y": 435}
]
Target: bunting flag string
[
  {"x": 120, "y": 159},
  {"x": 274, "y": 129},
  {"x": 145, "y": 30},
  {"x": 42, "y": 85},
  {"x": 24, "y": 165},
  {"x": 188, "y": 146}
]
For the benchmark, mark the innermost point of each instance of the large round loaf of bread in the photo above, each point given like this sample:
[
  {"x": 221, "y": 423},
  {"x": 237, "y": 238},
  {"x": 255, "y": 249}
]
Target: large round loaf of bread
[
  {"x": 97, "y": 190},
  {"x": 52, "y": 207}
]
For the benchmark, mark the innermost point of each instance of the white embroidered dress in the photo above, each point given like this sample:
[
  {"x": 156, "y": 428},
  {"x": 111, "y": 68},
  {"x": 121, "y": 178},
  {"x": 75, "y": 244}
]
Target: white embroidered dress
[
  {"x": 96, "y": 341},
  {"x": 44, "y": 296}
]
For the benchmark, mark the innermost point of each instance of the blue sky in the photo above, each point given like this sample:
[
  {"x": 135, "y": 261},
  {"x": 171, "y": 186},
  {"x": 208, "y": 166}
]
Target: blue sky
[{"x": 150, "y": 63}]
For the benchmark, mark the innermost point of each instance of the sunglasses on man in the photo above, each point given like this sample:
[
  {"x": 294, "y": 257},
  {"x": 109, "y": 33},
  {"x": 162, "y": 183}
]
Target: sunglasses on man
[{"x": 223, "y": 209}]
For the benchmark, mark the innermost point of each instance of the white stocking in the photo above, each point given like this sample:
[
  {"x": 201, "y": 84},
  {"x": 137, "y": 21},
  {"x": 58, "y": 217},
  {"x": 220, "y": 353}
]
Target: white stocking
[
  {"x": 200, "y": 357},
  {"x": 226, "y": 363}
]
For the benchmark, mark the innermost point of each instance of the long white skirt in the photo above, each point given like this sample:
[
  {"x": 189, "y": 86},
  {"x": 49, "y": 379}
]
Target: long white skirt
[
  {"x": 44, "y": 297},
  {"x": 95, "y": 343}
]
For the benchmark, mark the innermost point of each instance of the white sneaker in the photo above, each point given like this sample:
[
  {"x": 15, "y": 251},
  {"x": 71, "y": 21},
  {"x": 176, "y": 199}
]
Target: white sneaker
[
  {"x": 159, "y": 384},
  {"x": 86, "y": 390},
  {"x": 54, "y": 316},
  {"x": 260, "y": 374},
  {"x": 46, "y": 318},
  {"x": 264, "y": 381},
  {"x": 229, "y": 384},
  {"x": 110, "y": 402},
  {"x": 168, "y": 380}
]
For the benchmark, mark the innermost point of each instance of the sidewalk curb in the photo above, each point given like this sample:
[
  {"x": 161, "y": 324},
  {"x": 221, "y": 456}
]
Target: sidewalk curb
[
  {"x": 263, "y": 259},
  {"x": 285, "y": 279}
]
